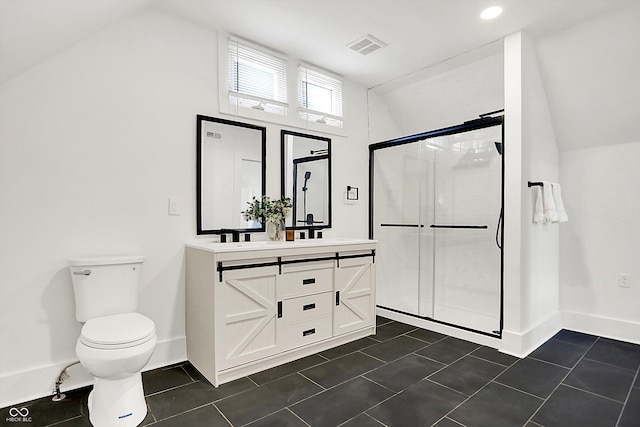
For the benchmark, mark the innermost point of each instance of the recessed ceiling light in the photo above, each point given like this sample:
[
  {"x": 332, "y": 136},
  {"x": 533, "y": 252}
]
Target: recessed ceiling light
[{"x": 491, "y": 12}]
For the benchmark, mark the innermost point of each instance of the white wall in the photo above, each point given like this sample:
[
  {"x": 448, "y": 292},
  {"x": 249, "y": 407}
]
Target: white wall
[
  {"x": 93, "y": 142},
  {"x": 441, "y": 96},
  {"x": 531, "y": 250},
  {"x": 600, "y": 188}
]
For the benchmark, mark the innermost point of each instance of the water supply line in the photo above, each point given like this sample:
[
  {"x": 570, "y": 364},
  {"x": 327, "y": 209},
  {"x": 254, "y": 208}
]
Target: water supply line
[{"x": 64, "y": 375}]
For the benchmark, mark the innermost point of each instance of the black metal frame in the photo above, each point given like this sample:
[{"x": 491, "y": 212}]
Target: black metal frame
[
  {"x": 199, "y": 119},
  {"x": 294, "y": 199},
  {"x": 484, "y": 121},
  {"x": 280, "y": 262},
  {"x": 285, "y": 132}
]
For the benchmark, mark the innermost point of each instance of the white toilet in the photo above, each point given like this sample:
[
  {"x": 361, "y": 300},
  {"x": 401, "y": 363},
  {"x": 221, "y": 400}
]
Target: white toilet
[{"x": 115, "y": 342}]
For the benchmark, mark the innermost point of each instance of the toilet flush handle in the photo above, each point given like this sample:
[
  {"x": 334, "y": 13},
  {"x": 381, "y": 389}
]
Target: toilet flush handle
[{"x": 83, "y": 272}]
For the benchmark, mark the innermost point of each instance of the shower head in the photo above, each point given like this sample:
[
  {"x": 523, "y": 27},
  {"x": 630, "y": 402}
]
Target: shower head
[
  {"x": 499, "y": 147},
  {"x": 307, "y": 175}
]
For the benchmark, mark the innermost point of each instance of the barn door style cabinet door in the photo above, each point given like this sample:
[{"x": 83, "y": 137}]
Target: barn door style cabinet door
[
  {"x": 256, "y": 305},
  {"x": 246, "y": 312},
  {"x": 354, "y": 283}
]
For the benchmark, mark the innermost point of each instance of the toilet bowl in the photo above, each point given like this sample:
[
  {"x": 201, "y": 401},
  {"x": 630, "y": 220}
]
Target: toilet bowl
[
  {"x": 114, "y": 349},
  {"x": 115, "y": 343}
]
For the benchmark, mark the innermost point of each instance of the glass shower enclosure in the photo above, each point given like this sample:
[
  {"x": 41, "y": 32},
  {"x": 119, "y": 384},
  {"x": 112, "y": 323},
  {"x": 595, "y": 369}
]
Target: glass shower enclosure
[{"x": 436, "y": 210}]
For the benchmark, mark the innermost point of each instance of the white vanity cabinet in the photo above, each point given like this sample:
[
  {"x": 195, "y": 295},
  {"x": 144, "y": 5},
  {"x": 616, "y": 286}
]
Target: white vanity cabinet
[{"x": 255, "y": 305}]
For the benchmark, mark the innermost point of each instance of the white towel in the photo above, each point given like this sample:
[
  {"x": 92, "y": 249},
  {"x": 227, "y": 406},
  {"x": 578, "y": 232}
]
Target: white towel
[
  {"x": 557, "y": 197},
  {"x": 548, "y": 205},
  {"x": 538, "y": 213},
  {"x": 550, "y": 210}
]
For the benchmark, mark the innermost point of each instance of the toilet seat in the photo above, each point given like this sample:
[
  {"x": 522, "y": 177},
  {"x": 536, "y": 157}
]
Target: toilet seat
[{"x": 117, "y": 331}]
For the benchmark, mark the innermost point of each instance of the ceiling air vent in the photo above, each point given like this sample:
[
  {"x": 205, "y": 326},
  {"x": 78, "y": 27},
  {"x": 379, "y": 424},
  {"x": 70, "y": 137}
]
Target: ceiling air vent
[{"x": 366, "y": 44}]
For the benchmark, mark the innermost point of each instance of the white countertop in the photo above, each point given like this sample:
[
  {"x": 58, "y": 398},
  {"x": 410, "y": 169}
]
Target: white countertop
[{"x": 268, "y": 245}]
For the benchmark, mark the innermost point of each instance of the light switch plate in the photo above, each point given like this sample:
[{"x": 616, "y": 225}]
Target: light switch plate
[{"x": 174, "y": 206}]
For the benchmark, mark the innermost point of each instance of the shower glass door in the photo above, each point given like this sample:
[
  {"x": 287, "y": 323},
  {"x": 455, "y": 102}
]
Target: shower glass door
[
  {"x": 397, "y": 221},
  {"x": 436, "y": 208},
  {"x": 466, "y": 258}
]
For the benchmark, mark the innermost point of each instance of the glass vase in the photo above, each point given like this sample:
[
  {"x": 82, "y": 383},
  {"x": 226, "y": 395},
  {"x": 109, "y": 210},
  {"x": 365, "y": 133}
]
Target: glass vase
[{"x": 275, "y": 230}]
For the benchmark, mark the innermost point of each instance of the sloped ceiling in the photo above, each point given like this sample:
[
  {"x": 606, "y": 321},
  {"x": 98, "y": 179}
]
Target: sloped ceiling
[
  {"x": 419, "y": 33},
  {"x": 591, "y": 73},
  {"x": 34, "y": 30}
]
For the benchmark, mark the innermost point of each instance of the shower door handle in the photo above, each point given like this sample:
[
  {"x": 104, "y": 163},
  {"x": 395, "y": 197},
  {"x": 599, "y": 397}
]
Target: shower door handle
[{"x": 483, "y": 227}]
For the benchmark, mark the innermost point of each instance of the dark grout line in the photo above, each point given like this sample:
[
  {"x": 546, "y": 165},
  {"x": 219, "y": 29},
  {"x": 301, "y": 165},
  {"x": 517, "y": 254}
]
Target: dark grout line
[
  {"x": 187, "y": 372},
  {"x": 297, "y": 416},
  {"x": 169, "y": 389},
  {"x": 592, "y": 393}
]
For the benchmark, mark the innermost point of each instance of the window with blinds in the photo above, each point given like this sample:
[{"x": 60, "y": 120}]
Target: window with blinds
[
  {"x": 319, "y": 97},
  {"x": 257, "y": 79}
]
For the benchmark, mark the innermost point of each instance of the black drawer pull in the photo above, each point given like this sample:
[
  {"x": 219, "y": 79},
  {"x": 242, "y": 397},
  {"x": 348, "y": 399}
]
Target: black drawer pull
[
  {"x": 308, "y": 307},
  {"x": 309, "y": 281},
  {"x": 337, "y": 297},
  {"x": 279, "y": 309},
  {"x": 308, "y": 332}
]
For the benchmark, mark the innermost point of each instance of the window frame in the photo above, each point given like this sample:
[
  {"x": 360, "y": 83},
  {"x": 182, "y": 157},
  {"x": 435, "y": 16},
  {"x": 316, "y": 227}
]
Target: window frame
[
  {"x": 262, "y": 59},
  {"x": 310, "y": 75}
]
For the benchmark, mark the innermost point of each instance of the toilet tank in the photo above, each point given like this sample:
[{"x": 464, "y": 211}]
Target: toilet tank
[{"x": 105, "y": 286}]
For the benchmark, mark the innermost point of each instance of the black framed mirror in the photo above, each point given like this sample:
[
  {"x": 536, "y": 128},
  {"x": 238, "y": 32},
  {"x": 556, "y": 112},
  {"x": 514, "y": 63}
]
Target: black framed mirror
[
  {"x": 230, "y": 171},
  {"x": 306, "y": 179}
]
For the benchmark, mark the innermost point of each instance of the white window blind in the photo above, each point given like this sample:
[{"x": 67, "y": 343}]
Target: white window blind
[
  {"x": 319, "y": 96},
  {"x": 257, "y": 79}
]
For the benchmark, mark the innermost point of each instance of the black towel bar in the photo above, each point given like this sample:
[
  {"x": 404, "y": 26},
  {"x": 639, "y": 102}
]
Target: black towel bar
[{"x": 534, "y": 183}]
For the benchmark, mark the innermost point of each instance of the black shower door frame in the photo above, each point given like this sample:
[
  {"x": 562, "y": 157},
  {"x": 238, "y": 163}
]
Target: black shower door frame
[{"x": 483, "y": 122}]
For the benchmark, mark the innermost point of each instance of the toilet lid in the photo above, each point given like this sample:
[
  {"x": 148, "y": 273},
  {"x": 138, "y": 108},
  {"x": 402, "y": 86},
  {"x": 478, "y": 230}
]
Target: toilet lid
[{"x": 117, "y": 331}]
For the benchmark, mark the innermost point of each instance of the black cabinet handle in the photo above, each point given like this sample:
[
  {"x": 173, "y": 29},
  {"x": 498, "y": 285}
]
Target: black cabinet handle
[
  {"x": 308, "y": 307},
  {"x": 309, "y": 281},
  {"x": 308, "y": 332},
  {"x": 279, "y": 309},
  {"x": 337, "y": 297},
  {"x": 483, "y": 227}
]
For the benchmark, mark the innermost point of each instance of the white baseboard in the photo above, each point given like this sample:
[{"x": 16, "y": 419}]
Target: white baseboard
[
  {"x": 23, "y": 386},
  {"x": 608, "y": 327},
  {"x": 520, "y": 344}
]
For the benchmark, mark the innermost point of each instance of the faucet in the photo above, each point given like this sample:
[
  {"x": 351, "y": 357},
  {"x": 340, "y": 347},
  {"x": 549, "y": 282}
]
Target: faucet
[
  {"x": 312, "y": 232},
  {"x": 235, "y": 234}
]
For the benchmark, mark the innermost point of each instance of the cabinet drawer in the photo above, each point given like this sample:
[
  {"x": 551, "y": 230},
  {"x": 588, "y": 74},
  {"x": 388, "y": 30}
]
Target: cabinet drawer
[
  {"x": 300, "y": 309},
  {"x": 302, "y": 333},
  {"x": 305, "y": 282}
]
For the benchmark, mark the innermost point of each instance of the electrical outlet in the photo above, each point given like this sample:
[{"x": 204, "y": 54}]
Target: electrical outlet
[
  {"x": 624, "y": 281},
  {"x": 174, "y": 206}
]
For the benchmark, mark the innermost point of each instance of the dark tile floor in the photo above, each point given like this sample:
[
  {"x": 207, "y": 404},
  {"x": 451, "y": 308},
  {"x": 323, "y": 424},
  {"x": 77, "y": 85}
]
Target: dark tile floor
[{"x": 402, "y": 376}]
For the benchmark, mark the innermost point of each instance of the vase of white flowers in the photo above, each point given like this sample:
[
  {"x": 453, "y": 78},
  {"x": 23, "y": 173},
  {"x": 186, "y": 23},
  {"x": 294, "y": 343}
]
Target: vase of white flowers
[{"x": 271, "y": 213}]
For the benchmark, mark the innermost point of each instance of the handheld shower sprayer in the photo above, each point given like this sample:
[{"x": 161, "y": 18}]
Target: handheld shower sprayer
[{"x": 307, "y": 175}]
